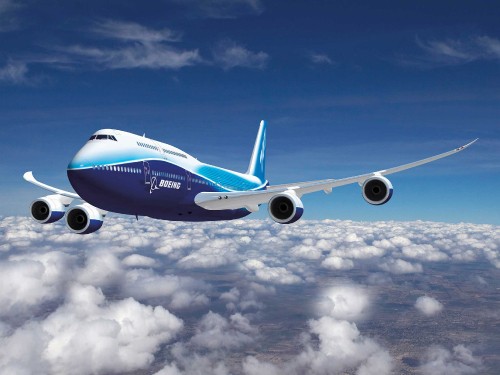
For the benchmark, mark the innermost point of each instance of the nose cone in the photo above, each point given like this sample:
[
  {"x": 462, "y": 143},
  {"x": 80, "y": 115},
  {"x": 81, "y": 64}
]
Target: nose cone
[{"x": 88, "y": 156}]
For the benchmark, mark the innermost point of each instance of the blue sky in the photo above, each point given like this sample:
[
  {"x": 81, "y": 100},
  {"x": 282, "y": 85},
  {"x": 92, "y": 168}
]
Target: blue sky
[{"x": 346, "y": 88}]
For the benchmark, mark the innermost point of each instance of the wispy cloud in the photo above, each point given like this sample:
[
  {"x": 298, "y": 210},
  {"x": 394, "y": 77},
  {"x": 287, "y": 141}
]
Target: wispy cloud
[
  {"x": 8, "y": 20},
  {"x": 141, "y": 47},
  {"x": 230, "y": 55},
  {"x": 14, "y": 72},
  {"x": 436, "y": 53},
  {"x": 130, "y": 31},
  {"x": 222, "y": 9},
  {"x": 320, "y": 58}
]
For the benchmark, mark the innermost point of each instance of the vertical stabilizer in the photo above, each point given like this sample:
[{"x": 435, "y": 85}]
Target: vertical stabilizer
[{"x": 257, "y": 165}]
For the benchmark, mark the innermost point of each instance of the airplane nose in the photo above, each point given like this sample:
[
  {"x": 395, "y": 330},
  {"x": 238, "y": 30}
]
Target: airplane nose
[{"x": 81, "y": 159}]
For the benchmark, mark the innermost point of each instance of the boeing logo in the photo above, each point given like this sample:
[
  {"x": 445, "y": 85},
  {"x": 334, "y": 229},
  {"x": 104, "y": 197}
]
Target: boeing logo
[
  {"x": 170, "y": 184},
  {"x": 116, "y": 171}
]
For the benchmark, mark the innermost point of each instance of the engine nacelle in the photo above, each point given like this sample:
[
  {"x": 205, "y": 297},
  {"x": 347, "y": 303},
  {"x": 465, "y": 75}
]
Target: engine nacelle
[
  {"x": 84, "y": 219},
  {"x": 49, "y": 209},
  {"x": 285, "y": 208},
  {"x": 377, "y": 190}
]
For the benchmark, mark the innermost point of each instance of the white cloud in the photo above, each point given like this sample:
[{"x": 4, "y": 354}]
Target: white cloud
[
  {"x": 138, "y": 260},
  {"x": 14, "y": 72},
  {"x": 178, "y": 292},
  {"x": 454, "y": 51},
  {"x": 344, "y": 302},
  {"x": 400, "y": 266},
  {"x": 130, "y": 31},
  {"x": 428, "y": 306},
  {"x": 30, "y": 280},
  {"x": 439, "y": 360},
  {"x": 337, "y": 263},
  {"x": 150, "y": 56},
  {"x": 8, "y": 20},
  {"x": 320, "y": 58},
  {"x": 87, "y": 334},
  {"x": 273, "y": 275},
  {"x": 222, "y": 9},
  {"x": 230, "y": 55},
  {"x": 53, "y": 277},
  {"x": 217, "y": 332}
]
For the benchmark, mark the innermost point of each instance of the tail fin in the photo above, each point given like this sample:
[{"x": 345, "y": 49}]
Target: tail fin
[{"x": 257, "y": 165}]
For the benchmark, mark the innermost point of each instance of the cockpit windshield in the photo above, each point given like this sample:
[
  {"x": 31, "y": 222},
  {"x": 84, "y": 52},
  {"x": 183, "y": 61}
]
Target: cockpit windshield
[{"x": 102, "y": 136}]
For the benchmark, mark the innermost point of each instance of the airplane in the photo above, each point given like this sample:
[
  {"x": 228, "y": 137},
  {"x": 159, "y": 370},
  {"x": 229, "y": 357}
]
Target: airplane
[{"x": 121, "y": 172}]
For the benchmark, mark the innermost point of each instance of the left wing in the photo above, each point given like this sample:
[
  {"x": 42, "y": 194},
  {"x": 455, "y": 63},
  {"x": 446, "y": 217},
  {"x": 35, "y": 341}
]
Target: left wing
[
  {"x": 28, "y": 176},
  {"x": 252, "y": 199}
]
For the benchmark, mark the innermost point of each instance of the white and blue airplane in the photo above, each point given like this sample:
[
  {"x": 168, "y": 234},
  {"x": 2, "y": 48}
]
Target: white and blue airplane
[{"x": 117, "y": 171}]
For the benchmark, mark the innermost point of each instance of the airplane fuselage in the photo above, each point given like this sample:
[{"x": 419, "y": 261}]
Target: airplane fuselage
[{"x": 125, "y": 173}]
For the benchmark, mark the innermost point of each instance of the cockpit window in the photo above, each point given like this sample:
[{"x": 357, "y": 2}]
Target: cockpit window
[{"x": 103, "y": 136}]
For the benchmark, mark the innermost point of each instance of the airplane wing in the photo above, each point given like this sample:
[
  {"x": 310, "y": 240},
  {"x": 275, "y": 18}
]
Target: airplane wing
[
  {"x": 252, "y": 199},
  {"x": 28, "y": 176}
]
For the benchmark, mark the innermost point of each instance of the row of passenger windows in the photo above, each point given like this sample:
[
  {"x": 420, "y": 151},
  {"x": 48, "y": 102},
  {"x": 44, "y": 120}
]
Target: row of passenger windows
[
  {"x": 174, "y": 153},
  {"x": 169, "y": 175},
  {"x": 146, "y": 145},
  {"x": 116, "y": 168},
  {"x": 103, "y": 136}
]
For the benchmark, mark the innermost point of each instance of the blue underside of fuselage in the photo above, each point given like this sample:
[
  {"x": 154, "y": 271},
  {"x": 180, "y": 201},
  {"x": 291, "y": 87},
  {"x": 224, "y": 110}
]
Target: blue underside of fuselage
[{"x": 163, "y": 190}]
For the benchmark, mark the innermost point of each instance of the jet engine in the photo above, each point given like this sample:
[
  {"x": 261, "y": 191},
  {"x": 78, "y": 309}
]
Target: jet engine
[
  {"x": 49, "y": 209},
  {"x": 285, "y": 208},
  {"x": 84, "y": 219},
  {"x": 377, "y": 190}
]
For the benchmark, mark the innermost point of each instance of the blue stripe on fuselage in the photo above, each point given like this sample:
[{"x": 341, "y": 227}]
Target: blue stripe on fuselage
[{"x": 122, "y": 188}]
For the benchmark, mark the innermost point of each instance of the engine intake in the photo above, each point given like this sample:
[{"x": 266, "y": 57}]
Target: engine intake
[
  {"x": 48, "y": 209},
  {"x": 377, "y": 190},
  {"x": 285, "y": 208},
  {"x": 84, "y": 219}
]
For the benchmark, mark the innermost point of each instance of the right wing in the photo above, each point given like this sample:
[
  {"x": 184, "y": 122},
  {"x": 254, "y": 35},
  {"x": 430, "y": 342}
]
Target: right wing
[
  {"x": 28, "y": 176},
  {"x": 252, "y": 199}
]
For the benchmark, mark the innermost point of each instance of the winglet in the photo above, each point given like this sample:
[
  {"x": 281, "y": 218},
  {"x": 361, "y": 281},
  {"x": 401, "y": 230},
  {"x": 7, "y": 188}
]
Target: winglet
[{"x": 467, "y": 145}]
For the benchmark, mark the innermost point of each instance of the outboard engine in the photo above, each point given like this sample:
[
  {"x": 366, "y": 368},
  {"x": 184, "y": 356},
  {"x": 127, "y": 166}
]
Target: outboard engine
[
  {"x": 377, "y": 190},
  {"x": 84, "y": 219},
  {"x": 49, "y": 209},
  {"x": 285, "y": 208}
]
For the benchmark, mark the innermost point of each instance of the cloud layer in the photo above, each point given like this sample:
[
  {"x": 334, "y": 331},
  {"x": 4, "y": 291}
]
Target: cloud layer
[{"x": 180, "y": 298}]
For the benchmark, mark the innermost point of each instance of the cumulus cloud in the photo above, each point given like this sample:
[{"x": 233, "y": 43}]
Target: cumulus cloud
[
  {"x": 30, "y": 280},
  {"x": 400, "y": 266},
  {"x": 217, "y": 332},
  {"x": 347, "y": 302},
  {"x": 233, "y": 285},
  {"x": 230, "y": 55},
  {"x": 274, "y": 275},
  {"x": 460, "y": 361},
  {"x": 333, "y": 343},
  {"x": 138, "y": 260},
  {"x": 87, "y": 334},
  {"x": 428, "y": 306}
]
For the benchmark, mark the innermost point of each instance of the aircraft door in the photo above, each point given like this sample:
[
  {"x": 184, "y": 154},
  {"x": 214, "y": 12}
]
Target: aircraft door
[
  {"x": 188, "y": 180},
  {"x": 147, "y": 173}
]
